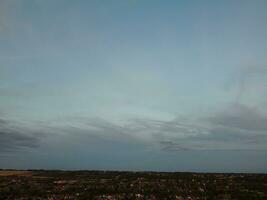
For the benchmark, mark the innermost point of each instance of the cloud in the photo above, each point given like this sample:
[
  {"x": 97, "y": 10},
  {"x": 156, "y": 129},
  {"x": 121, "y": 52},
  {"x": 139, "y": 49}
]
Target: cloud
[
  {"x": 241, "y": 117},
  {"x": 173, "y": 146},
  {"x": 237, "y": 127},
  {"x": 14, "y": 137},
  {"x": 250, "y": 81},
  {"x": 2, "y": 122}
]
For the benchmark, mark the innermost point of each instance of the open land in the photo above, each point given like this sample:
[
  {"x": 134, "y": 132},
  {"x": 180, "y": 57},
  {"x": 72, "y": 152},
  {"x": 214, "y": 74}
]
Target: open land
[{"x": 111, "y": 185}]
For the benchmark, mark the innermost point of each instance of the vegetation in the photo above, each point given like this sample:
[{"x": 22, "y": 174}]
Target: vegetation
[{"x": 110, "y": 185}]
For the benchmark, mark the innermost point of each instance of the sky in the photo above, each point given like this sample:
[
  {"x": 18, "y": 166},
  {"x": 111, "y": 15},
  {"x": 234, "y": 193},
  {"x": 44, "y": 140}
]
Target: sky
[{"x": 134, "y": 85}]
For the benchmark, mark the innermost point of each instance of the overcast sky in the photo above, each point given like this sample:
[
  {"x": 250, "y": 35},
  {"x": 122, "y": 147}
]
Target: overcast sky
[{"x": 134, "y": 85}]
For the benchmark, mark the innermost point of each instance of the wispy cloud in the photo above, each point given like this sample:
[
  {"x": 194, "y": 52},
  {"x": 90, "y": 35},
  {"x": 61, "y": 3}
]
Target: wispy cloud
[
  {"x": 14, "y": 137},
  {"x": 241, "y": 117},
  {"x": 237, "y": 127},
  {"x": 250, "y": 81}
]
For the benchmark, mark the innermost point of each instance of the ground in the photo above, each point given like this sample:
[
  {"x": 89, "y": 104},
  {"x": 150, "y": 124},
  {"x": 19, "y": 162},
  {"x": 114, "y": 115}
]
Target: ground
[{"x": 96, "y": 185}]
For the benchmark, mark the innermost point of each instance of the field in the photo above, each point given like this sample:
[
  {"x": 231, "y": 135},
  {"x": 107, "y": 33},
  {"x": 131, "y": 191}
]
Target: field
[{"x": 111, "y": 185}]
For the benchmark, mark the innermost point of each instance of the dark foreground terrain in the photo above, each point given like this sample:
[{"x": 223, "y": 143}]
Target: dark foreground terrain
[{"x": 130, "y": 185}]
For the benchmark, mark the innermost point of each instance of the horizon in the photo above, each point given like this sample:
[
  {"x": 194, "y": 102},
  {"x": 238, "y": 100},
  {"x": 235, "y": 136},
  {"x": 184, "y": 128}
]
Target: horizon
[
  {"x": 134, "y": 85},
  {"x": 132, "y": 171}
]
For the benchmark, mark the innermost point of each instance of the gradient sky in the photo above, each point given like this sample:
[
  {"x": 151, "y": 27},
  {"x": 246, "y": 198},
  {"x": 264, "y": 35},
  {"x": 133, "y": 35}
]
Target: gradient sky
[{"x": 134, "y": 85}]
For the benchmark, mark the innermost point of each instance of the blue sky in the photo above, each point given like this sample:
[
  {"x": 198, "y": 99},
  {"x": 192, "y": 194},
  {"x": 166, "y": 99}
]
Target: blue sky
[{"x": 133, "y": 85}]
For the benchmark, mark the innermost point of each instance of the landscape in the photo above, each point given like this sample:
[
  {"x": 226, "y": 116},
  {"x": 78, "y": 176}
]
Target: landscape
[
  {"x": 133, "y": 99},
  {"x": 115, "y": 185}
]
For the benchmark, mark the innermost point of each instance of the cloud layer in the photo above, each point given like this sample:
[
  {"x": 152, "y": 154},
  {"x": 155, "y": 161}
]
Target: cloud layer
[
  {"x": 14, "y": 137},
  {"x": 238, "y": 127}
]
